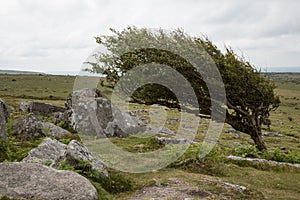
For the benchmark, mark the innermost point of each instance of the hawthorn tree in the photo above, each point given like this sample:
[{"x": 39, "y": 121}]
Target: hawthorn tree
[{"x": 250, "y": 95}]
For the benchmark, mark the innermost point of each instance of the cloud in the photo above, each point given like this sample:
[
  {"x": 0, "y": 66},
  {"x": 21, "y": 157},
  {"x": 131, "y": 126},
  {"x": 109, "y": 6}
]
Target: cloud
[{"x": 49, "y": 35}]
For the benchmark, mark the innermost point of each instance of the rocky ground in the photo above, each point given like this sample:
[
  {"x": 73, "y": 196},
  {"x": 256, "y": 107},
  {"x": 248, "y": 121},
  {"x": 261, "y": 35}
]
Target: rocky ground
[{"x": 60, "y": 166}]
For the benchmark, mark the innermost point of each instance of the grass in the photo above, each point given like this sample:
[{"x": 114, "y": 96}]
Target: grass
[
  {"x": 261, "y": 180},
  {"x": 46, "y": 88},
  {"x": 14, "y": 150}
]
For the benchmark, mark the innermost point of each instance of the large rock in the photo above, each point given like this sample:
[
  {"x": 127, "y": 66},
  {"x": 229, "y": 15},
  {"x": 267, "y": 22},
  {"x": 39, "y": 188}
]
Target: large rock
[
  {"x": 44, "y": 109},
  {"x": 90, "y": 112},
  {"x": 30, "y": 127},
  {"x": 49, "y": 152},
  {"x": 53, "y": 153},
  {"x": 34, "y": 181},
  {"x": 4, "y": 115},
  {"x": 76, "y": 151}
]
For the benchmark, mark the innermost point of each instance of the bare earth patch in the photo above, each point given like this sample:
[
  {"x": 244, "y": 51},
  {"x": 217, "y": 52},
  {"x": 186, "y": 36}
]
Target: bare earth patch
[{"x": 174, "y": 189}]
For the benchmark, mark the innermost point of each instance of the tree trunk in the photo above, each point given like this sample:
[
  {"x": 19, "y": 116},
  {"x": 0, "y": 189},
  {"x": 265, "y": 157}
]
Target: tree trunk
[{"x": 258, "y": 140}]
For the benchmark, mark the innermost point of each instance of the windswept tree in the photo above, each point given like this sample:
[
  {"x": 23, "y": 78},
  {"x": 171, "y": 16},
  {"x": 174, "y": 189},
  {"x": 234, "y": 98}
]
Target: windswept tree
[{"x": 250, "y": 95}]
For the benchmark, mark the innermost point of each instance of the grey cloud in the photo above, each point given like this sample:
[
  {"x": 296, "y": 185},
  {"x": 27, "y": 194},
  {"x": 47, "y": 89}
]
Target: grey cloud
[{"x": 61, "y": 32}]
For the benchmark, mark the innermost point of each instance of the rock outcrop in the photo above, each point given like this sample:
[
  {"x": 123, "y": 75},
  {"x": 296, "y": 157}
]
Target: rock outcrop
[
  {"x": 52, "y": 152},
  {"x": 49, "y": 152},
  {"x": 172, "y": 141},
  {"x": 4, "y": 115},
  {"x": 259, "y": 160},
  {"x": 34, "y": 181},
  {"x": 77, "y": 151},
  {"x": 30, "y": 127},
  {"x": 90, "y": 112},
  {"x": 44, "y": 109}
]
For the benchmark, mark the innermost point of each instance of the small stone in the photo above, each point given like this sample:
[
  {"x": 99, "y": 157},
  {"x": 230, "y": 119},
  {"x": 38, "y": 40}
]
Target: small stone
[
  {"x": 272, "y": 134},
  {"x": 282, "y": 148},
  {"x": 171, "y": 141}
]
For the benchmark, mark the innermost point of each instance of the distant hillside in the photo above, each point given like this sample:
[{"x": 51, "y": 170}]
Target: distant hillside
[
  {"x": 283, "y": 69},
  {"x": 18, "y": 72}
]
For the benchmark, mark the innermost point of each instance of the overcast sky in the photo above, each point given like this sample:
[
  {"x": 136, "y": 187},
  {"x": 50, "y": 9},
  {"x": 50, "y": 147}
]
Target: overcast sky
[{"x": 58, "y": 35}]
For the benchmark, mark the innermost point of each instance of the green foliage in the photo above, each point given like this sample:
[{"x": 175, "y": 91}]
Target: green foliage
[
  {"x": 65, "y": 140},
  {"x": 250, "y": 96},
  {"x": 102, "y": 193},
  {"x": 68, "y": 137},
  {"x": 122, "y": 59},
  {"x": 135, "y": 144},
  {"x": 247, "y": 151},
  {"x": 8, "y": 126},
  {"x": 64, "y": 125},
  {"x": 116, "y": 183},
  {"x": 3, "y": 151},
  {"x": 7, "y": 198},
  {"x": 15, "y": 150},
  {"x": 275, "y": 155},
  {"x": 63, "y": 165},
  {"x": 211, "y": 164}
]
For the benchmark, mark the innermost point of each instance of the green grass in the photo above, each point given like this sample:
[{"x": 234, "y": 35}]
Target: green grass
[
  {"x": 14, "y": 150},
  {"x": 47, "y": 88},
  {"x": 261, "y": 180}
]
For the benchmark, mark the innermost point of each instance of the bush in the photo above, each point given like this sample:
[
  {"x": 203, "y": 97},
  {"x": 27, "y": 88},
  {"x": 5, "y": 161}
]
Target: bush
[
  {"x": 116, "y": 183},
  {"x": 3, "y": 150},
  {"x": 113, "y": 184},
  {"x": 247, "y": 151},
  {"x": 277, "y": 155}
]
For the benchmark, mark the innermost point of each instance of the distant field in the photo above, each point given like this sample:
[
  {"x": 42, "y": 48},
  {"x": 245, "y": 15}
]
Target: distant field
[
  {"x": 18, "y": 72},
  {"x": 50, "y": 88}
]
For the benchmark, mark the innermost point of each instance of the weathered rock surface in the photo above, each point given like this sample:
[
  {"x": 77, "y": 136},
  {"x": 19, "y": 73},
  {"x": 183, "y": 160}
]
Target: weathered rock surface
[
  {"x": 161, "y": 130},
  {"x": 24, "y": 106},
  {"x": 54, "y": 131},
  {"x": 5, "y": 108},
  {"x": 90, "y": 112},
  {"x": 49, "y": 152},
  {"x": 272, "y": 134},
  {"x": 34, "y": 181},
  {"x": 29, "y": 127},
  {"x": 263, "y": 161},
  {"x": 58, "y": 117},
  {"x": 41, "y": 108},
  {"x": 4, "y": 115},
  {"x": 77, "y": 151},
  {"x": 52, "y": 152},
  {"x": 164, "y": 140}
]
